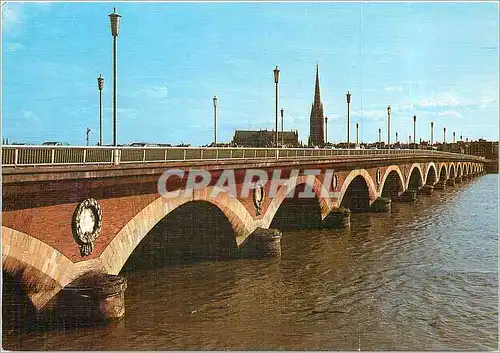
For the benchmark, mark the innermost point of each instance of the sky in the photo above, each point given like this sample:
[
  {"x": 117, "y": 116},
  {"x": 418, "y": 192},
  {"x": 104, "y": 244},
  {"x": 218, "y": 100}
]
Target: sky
[{"x": 438, "y": 61}]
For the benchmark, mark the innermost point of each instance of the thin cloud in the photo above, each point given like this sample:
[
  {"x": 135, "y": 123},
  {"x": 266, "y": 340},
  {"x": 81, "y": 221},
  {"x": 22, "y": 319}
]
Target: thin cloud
[
  {"x": 13, "y": 47},
  {"x": 393, "y": 89},
  {"x": 11, "y": 15}
]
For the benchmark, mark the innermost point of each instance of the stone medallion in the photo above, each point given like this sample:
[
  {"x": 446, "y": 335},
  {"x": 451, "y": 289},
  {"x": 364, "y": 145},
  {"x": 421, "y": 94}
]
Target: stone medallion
[
  {"x": 259, "y": 195},
  {"x": 335, "y": 182},
  {"x": 86, "y": 225},
  {"x": 378, "y": 176}
]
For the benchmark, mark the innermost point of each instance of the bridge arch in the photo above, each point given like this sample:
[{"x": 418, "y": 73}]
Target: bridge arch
[
  {"x": 392, "y": 182},
  {"x": 128, "y": 238},
  {"x": 41, "y": 270},
  {"x": 452, "y": 174},
  {"x": 321, "y": 192},
  {"x": 360, "y": 186},
  {"x": 459, "y": 169},
  {"x": 415, "y": 177},
  {"x": 431, "y": 176}
]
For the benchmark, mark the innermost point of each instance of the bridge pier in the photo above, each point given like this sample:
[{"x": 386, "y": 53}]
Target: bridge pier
[
  {"x": 426, "y": 190},
  {"x": 458, "y": 180},
  {"x": 91, "y": 299},
  {"x": 450, "y": 182},
  {"x": 440, "y": 185},
  {"x": 262, "y": 243},
  {"x": 337, "y": 218},
  {"x": 381, "y": 204},
  {"x": 409, "y": 195}
]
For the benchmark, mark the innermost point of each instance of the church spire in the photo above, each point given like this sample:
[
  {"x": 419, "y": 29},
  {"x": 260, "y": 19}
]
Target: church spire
[
  {"x": 316, "y": 120},
  {"x": 317, "y": 95}
]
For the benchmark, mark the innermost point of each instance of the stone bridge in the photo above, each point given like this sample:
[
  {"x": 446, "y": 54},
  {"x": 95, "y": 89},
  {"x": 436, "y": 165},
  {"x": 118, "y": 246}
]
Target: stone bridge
[{"x": 40, "y": 201}]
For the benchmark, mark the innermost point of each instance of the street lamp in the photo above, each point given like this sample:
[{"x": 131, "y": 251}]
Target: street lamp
[
  {"x": 389, "y": 127},
  {"x": 115, "y": 28},
  {"x": 414, "y": 132},
  {"x": 379, "y": 136},
  {"x": 432, "y": 133},
  {"x": 282, "y": 112},
  {"x": 357, "y": 134},
  {"x": 348, "y": 97},
  {"x": 444, "y": 135},
  {"x": 215, "y": 120},
  {"x": 276, "y": 80},
  {"x": 453, "y": 136},
  {"x": 88, "y": 133},
  {"x": 100, "y": 86},
  {"x": 326, "y": 130},
  {"x": 397, "y": 140}
]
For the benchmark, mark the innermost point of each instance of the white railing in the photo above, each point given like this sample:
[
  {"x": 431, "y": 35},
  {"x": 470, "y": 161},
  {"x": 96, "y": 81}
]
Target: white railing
[{"x": 17, "y": 156}]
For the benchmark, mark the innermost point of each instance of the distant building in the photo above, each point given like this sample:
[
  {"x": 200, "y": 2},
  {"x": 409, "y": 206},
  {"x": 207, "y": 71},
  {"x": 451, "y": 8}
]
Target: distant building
[
  {"x": 264, "y": 138},
  {"x": 317, "y": 119}
]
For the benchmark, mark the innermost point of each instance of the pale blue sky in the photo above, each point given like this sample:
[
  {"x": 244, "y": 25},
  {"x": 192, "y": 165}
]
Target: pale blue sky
[{"x": 436, "y": 60}]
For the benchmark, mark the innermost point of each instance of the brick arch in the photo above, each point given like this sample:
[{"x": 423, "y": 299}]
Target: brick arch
[
  {"x": 442, "y": 167},
  {"x": 451, "y": 167},
  {"x": 413, "y": 166},
  {"x": 319, "y": 189},
  {"x": 460, "y": 170},
  {"x": 43, "y": 270},
  {"x": 372, "y": 189},
  {"x": 388, "y": 170},
  {"x": 123, "y": 244},
  {"x": 429, "y": 166}
]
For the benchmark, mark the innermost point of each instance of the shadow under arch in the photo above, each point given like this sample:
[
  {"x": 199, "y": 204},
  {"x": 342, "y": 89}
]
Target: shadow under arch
[
  {"x": 416, "y": 178},
  {"x": 357, "y": 195},
  {"x": 393, "y": 182},
  {"x": 194, "y": 231},
  {"x": 443, "y": 173},
  {"x": 353, "y": 175},
  {"x": 452, "y": 172},
  {"x": 296, "y": 212},
  {"x": 123, "y": 244},
  {"x": 431, "y": 177}
]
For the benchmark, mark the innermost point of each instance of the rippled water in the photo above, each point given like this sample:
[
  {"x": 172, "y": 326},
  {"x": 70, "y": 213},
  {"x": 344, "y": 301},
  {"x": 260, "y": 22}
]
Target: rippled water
[{"x": 423, "y": 277}]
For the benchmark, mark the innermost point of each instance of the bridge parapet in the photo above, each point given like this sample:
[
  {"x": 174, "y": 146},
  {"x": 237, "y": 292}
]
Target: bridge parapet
[{"x": 24, "y": 156}]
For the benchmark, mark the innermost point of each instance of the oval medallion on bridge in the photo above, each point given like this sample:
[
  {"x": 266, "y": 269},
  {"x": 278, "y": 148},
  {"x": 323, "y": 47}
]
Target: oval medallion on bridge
[
  {"x": 258, "y": 196},
  {"x": 86, "y": 225},
  {"x": 379, "y": 176},
  {"x": 335, "y": 182}
]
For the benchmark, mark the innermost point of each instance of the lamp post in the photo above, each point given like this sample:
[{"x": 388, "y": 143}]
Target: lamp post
[
  {"x": 115, "y": 28},
  {"x": 444, "y": 135},
  {"x": 100, "y": 86},
  {"x": 88, "y": 133},
  {"x": 357, "y": 134},
  {"x": 348, "y": 97},
  {"x": 282, "y": 112},
  {"x": 379, "y": 136},
  {"x": 414, "y": 132},
  {"x": 453, "y": 136},
  {"x": 397, "y": 140},
  {"x": 432, "y": 133},
  {"x": 389, "y": 127},
  {"x": 276, "y": 80},
  {"x": 215, "y": 120},
  {"x": 326, "y": 130}
]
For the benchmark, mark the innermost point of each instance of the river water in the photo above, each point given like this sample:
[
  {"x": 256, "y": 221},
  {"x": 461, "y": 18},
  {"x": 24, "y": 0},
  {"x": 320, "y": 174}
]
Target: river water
[{"x": 423, "y": 277}]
